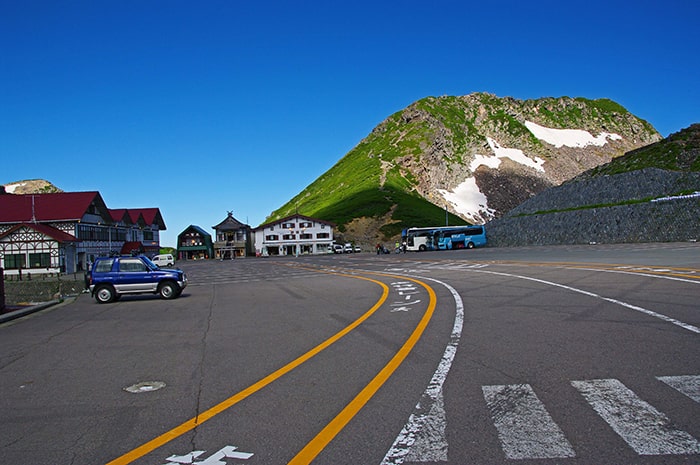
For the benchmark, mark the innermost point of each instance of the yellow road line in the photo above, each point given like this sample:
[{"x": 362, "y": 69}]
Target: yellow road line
[
  {"x": 323, "y": 438},
  {"x": 192, "y": 423}
]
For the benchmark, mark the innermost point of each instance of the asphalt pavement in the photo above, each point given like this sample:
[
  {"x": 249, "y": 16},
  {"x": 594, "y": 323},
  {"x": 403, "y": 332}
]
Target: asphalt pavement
[{"x": 567, "y": 355}]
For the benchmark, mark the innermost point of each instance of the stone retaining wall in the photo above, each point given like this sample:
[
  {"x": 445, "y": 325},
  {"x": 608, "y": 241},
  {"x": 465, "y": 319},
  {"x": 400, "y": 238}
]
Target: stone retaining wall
[
  {"x": 39, "y": 290},
  {"x": 668, "y": 221}
]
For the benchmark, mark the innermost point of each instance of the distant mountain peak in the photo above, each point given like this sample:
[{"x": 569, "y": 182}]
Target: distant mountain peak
[
  {"x": 31, "y": 186},
  {"x": 476, "y": 156}
]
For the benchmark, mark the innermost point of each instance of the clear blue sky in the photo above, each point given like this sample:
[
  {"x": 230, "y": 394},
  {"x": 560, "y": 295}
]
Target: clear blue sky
[{"x": 202, "y": 107}]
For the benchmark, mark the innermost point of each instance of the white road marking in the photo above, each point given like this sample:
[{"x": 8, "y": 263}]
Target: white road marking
[
  {"x": 660, "y": 316},
  {"x": 403, "y": 304},
  {"x": 214, "y": 459},
  {"x": 524, "y": 426},
  {"x": 645, "y": 429},
  {"x": 423, "y": 438},
  {"x": 688, "y": 385}
]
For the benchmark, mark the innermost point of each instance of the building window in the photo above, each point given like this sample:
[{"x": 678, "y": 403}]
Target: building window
[
  {"x": 272, "y": 237},
  {"x": 15, "y": 261},
  {"x": 323, "y": 235},
  {"x": 305, "y": 225},
  {"x": 148, "y": 235},
  {"x": 288, "y": 237},
  {"x": 39, "y": 260},
  {"x": 306, "y": 236}
]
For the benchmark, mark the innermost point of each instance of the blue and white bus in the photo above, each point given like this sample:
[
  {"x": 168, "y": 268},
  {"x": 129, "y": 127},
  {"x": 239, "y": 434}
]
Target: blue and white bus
[
  {"x": 443, "y": 238},
  {"x": 460, "y": 237}
]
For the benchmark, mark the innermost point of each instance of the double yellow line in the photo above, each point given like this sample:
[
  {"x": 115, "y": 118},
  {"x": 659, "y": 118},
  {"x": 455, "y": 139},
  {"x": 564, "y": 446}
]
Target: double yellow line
[{"x": 323, "y": 438}]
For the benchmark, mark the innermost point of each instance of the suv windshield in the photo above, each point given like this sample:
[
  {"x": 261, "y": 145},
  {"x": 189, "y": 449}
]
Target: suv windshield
[{"x": 150, "y": 264}]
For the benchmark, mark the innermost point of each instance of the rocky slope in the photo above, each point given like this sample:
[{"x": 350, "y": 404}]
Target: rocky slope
[
  {"x": 478, "y": 156},
  {"x": 649, "y": 195}
]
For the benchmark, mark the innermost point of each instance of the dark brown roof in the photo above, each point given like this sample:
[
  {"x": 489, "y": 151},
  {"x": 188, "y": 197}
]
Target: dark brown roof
[{"x": 229, "y": 224}]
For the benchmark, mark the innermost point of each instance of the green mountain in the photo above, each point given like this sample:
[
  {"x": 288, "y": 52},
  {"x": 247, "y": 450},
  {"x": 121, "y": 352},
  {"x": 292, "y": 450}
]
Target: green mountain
[{"x": 467, "y": 158}]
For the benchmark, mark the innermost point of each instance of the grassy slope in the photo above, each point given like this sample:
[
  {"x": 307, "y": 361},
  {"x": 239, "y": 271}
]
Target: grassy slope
[
  {"x": 352, "y": 187},
  {"x": 678, "y": 152}
]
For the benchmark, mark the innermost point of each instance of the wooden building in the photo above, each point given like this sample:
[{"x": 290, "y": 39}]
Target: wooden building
[{"x": 233, "y": 239}]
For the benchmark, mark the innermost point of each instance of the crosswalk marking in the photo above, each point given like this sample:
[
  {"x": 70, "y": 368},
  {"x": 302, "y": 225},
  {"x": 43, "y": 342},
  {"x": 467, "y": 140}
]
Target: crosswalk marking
[
  {"x": 645, "y": 429},
  {"x": 524, "y": 426},
  {"x": 688, "y": 385}
]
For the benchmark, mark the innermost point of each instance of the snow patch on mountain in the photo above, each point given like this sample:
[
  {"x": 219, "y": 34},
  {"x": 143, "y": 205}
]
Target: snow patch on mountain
[
  {"x": 469, "y": 201},
  {"x": 577, "y": 138},
  {"x": 10, "y": 188},
  {"x": 494, "y": 161}
]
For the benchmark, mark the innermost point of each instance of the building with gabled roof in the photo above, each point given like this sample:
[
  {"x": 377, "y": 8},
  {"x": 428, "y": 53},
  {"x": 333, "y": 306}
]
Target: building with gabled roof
[
  {"x": 232, "y": 239},
  {"x": 194, "y": 243},
  {"x": 65, "y": 231},
  {"x": 294, "y": 235}
]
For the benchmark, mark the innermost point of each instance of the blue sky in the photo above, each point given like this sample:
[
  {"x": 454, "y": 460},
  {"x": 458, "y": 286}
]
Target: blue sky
[{"x": 199, "y": 108}]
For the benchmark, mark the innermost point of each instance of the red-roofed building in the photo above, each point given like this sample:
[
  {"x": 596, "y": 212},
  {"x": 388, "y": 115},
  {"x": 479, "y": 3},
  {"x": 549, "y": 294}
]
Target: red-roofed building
[{"x": 63, "y": 232}]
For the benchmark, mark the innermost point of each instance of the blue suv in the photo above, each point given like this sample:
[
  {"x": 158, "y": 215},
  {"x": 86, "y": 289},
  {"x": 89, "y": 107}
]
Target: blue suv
[{"x": 112, "y": 277}]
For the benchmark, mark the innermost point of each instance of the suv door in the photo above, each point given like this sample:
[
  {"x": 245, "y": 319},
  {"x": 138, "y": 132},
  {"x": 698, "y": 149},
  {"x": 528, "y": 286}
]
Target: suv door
[{"x": 135, "y": 276}]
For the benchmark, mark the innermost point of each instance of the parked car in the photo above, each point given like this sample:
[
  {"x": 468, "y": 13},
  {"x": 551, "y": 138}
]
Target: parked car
[
  {"x": 348, "y": 248},
  {"x": 111, "y": 277},
  {"x": 337, "y": 248},
  {"x": 164, "y": 260}
]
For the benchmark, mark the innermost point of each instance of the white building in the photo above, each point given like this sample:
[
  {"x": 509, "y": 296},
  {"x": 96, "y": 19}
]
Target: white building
[{"x": 293, "y": 235}]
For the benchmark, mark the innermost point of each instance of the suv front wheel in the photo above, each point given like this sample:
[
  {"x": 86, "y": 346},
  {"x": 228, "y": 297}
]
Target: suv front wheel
[
  {"x": 168, "y": 290},
  {"x": 105, "y": 294}
]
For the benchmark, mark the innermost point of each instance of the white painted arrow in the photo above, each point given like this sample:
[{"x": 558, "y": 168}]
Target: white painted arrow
[{"x": 228, "y": 452}]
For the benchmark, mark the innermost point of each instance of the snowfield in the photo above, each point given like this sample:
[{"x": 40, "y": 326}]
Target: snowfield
[
  {"x": 10, "y": 188},
  {"x": 577, "y": 138},
  {"x": 468, "y": 200}
]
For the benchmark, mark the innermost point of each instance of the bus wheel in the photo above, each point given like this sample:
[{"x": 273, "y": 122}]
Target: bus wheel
[
  {"x": 470, "y": 245},
  {"x": 421, "y": 248}
]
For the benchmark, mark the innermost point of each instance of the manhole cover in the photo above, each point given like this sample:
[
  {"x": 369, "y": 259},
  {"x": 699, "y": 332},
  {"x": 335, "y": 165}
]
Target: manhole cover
[{"x": 145, "y": 386}]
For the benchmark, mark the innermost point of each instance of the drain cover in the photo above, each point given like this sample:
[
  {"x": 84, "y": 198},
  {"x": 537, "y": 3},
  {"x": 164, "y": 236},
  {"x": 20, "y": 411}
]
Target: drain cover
[{"x": 145, "y": 386}]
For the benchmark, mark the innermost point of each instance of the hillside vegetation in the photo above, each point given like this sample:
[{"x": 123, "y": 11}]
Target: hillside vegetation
[{"x": 403, "y": 173}]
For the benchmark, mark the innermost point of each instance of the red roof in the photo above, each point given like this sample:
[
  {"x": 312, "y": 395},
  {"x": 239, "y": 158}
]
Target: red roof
[
  {"x": 50, "y": 231},
  {"x": 150, "y": 216},
  {"x": 62, "y": 206},
  {"x": 129, "y": 247},
  {"x": 121, "y": 214}
]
